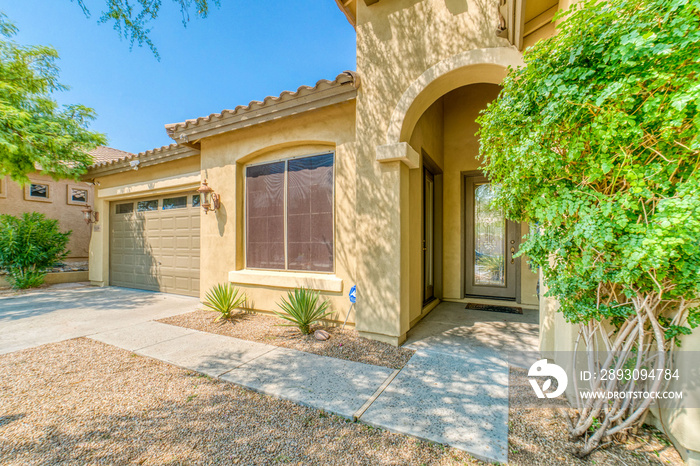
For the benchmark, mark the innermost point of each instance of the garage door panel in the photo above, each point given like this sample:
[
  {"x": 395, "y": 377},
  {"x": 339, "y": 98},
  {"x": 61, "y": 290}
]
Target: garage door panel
[{"x": 156, "y": 250}]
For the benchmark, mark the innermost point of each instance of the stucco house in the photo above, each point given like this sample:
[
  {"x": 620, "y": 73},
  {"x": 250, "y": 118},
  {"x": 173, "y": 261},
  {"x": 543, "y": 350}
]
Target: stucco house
[
  {"x": 63, "y": 200},
  {"x": 370, "y": 179}
]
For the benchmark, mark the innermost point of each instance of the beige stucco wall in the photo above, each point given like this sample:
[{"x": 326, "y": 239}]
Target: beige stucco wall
[
  {"x": 174, "y": 176},
  {"x": 397, "y": 41},
  {"x": 70, "y": 217},
  {"x": 224, "y": 159}
]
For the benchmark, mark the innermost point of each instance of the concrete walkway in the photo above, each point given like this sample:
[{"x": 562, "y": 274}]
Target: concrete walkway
[
  {"x": 454, "y": 390},
  {"x": 334, "y": 385},
  {"x": 42, "y": 317}
]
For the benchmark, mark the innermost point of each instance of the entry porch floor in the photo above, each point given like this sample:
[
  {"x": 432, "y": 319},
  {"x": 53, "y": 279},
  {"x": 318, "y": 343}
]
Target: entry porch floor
[{"x": 454, "y": 390}]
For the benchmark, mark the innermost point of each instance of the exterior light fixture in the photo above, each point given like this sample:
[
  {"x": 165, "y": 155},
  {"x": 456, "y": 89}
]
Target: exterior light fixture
[
  {"x": 208, "y": 199},
  {"x": 89, "y": 216}
]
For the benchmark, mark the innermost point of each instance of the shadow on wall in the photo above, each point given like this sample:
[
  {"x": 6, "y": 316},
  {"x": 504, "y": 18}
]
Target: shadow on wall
[
  {"x": 135, "y": 239},
  {"x": 392, "y": 55}
]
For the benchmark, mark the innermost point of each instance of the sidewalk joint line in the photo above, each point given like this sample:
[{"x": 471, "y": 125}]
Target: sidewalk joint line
[{"x": 356, "y": 416}]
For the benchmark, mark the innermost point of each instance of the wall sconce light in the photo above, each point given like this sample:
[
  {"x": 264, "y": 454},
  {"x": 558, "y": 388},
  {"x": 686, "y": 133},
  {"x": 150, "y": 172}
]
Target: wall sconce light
[
  {"x": 208, "y": 199},
  {"x": 89, "y": 216}
]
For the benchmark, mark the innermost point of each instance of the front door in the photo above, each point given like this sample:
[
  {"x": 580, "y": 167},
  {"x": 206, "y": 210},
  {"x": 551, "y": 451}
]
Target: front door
[{"x": 491, "y": 242}]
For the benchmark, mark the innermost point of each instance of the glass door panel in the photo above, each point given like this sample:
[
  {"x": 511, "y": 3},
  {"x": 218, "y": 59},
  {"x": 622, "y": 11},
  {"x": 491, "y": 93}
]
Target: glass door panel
[{"x": 490, "y": 242}]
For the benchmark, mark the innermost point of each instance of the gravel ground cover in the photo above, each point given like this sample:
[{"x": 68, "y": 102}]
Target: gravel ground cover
[
  {"x": 343, "y": 343},
  {"x": 537, "y": 436},
  {"x": 84, "y": 402}
]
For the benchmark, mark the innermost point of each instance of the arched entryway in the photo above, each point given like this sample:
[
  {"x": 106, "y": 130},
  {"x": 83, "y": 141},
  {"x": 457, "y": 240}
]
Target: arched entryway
[{"x": 461, "y": 251}]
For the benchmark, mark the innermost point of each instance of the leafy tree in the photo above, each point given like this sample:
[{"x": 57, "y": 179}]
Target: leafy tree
[
  {"x": 35, "y": 133},
  {"x": 29, "y": 246},
  {"x": 596, "y": 142},
  {"x": 130, "y": 18}
]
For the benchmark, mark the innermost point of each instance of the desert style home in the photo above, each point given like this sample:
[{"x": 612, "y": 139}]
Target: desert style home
[
  {"x": 370, "y": 179},
  {"x": 63, "y": 200}
]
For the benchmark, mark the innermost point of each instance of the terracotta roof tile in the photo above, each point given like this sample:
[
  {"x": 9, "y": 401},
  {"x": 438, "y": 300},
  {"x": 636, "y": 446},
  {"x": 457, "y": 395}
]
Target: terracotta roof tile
[
  {"x": 343, "y": 78},
  {"x": 104, "y": 154}
]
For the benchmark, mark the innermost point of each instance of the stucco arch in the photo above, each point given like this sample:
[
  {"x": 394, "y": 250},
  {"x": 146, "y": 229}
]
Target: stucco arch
[{"x": 474, "y": 66}]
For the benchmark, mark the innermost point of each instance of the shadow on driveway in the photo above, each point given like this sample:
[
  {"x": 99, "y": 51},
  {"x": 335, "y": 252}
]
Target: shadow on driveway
[{"x": 45, "y": 317}]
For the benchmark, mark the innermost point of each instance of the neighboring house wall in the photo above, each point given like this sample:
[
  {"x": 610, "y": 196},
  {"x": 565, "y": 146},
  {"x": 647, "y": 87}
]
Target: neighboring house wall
[{"x": 15, "y": 200}]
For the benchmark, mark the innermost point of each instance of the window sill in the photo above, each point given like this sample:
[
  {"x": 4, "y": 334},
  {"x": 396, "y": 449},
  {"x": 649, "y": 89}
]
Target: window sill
[{"x": 315, "y": 281}]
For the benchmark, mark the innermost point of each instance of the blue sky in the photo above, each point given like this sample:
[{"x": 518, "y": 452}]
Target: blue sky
[{"x": 243, "y": 51}]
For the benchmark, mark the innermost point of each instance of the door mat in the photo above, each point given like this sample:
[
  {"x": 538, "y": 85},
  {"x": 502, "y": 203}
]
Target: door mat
[{"x": 490, "y": 308}]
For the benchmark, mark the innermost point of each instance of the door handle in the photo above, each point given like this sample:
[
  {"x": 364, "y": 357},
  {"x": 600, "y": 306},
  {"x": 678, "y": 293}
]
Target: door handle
[{"x": 512, "y": 251}]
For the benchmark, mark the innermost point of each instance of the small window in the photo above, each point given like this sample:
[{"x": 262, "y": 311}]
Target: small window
[
  {"x": 145, "y": 206},
  {"x": 77, "y": 195},
  {"x": 175, "y": 203},
  {"x": 195, "y": 200},
  {"x": 125, "y": 208},
  {"x": 39, "y": 190}
]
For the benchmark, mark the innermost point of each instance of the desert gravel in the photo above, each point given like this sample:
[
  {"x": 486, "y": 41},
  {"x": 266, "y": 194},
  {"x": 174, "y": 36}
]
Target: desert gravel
[
  {"x": 343, "y": 344},
  {"x": 84, "y": 402},
  {"x": 537, "y": 436}
]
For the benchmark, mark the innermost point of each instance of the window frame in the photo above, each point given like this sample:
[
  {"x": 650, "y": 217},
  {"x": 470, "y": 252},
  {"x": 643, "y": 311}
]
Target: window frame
[
  {"x": 118, "y": 203},
  {"x": 157, "y": 201},
  {"x": 69, "y": 195},
  {"x": 286, "y": 160},
  {"x": 28, "y": 191},
  {"x": 183, "y": 206}
]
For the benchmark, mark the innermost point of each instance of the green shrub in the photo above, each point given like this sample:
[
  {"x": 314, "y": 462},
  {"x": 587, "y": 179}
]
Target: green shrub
[
  {"x": 29, "y": 245},
  {"x": 224, "y": 298},
  {"x": 303, "y": 309}
]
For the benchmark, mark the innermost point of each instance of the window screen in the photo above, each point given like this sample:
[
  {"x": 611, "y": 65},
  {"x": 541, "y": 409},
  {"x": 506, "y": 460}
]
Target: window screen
[
  {"x": 265, "y": 216},
  {"x": 310, "y": 213}
]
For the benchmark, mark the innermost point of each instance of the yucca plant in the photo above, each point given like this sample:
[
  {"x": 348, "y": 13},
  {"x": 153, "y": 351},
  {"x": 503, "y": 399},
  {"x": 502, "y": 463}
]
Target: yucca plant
[
  {"x": 224, "y": 298},
  {"x": 303, "y": 309}
]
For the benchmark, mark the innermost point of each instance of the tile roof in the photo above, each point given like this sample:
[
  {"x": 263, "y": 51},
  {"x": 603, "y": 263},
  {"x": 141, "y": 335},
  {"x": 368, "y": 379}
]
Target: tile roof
[
  {"x": 104, "y": 154},
  {"x": 143, "y": 159},
  {"x": 346, "y": 77},
  {"x": 126, "y": 156}
]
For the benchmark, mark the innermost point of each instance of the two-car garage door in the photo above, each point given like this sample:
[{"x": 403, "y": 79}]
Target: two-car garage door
[{"x": 154, "y": 243}]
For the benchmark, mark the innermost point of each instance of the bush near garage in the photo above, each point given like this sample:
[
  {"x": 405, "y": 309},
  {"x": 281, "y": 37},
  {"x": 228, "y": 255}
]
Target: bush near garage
[{"x": 29, "y": 246}]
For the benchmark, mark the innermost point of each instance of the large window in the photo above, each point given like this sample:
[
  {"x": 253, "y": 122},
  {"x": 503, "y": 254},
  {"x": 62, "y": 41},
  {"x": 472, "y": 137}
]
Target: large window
[{"x": 290, "y": 214}]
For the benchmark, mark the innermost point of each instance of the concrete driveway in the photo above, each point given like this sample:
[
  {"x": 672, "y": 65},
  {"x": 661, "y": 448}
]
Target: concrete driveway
[{"x": 51, "y": 316}]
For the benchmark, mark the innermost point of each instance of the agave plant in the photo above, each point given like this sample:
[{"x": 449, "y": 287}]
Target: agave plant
[
  {"x": 224, "y": 298},
  {"x": 303, "y": 309}
]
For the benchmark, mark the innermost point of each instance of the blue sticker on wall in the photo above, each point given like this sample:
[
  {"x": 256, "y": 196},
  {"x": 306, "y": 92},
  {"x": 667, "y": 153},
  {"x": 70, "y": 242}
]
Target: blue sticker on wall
[{"x": 353, "y": 294}]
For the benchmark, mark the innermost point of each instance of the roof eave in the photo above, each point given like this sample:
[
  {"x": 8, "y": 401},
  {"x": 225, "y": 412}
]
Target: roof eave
[
  {"x": 145, "y": 159},
  {"x": 325, "y": 93}
]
